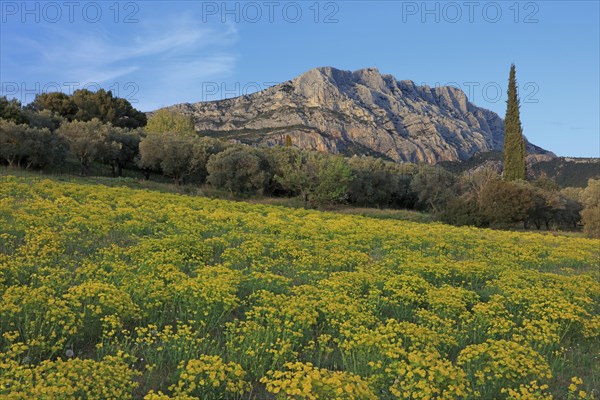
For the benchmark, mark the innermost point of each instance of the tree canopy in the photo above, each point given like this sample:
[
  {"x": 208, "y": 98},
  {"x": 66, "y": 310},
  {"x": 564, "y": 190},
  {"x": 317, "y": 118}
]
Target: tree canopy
[
  {"x": 163, "y": 121},
  {"x": 85, "y": 105}
]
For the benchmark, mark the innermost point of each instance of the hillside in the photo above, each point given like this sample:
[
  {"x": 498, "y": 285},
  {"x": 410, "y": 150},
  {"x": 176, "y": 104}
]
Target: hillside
[
  {"x": 566, "y": 171},
  {"x": 360, "y": 112},
  {"x": 160, "y": 295}
]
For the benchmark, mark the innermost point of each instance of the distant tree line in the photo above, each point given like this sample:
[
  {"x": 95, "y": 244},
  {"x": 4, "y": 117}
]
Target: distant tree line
[{"x": 88, "y": 128}]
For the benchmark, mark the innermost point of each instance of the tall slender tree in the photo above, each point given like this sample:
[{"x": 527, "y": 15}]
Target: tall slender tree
[{"x": 514, "y": 143}]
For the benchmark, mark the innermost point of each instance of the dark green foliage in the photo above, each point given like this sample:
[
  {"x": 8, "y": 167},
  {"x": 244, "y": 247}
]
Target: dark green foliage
[
  {"x": 44, "y": 119},
  {"x": 120, "y": 149},
  {"x": 565, "y": 171},
  {"x": 21, "y": 145},
  {"x": 546, "y": 183},
  {"x": 176, "y": 156},
  {"x": 56, "y": 102},
  {"x": 569, "y": 172},
  {"x": 239, "y": 169},
  {"x": 87, "y": 140},
  {"x": 503, "y": 203},
  {"x": 11, "y": 110},
  {"x": 547, "y": 206},
  {"x": 514, "y": 143},
  {"x": 319, "y": 179},
  {"x": 371, "y": 184},
  {"x": 435, "y": 187},
  {"x": 85, "y": 105},
  {"x": 462, "y": 211}
]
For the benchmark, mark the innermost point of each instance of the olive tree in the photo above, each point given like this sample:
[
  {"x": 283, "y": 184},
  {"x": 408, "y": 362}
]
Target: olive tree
[
  {"x": 239, "y": 169},
  {"x": 86, "y": 140}
]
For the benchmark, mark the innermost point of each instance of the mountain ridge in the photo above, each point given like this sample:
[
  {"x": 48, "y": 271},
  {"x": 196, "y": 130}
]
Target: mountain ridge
[{"x": 356, "y": 112}]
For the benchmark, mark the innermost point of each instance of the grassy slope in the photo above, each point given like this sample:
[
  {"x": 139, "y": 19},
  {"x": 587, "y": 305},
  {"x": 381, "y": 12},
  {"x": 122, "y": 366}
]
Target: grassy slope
[{"x": 301, "y": 247}]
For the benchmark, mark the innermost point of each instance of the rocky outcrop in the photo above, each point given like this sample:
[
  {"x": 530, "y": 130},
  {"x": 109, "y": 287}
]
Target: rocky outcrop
[{"x": 360, "y": 112}]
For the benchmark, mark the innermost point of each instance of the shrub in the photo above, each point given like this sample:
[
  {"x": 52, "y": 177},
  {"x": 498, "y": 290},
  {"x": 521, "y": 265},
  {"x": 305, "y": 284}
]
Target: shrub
[
  {"x": 238, "y": 169},
  {"x": 590, "y": 215}
]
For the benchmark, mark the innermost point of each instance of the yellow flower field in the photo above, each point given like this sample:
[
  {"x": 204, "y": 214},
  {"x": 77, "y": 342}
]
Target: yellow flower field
[{"x": 116, "y": 293}]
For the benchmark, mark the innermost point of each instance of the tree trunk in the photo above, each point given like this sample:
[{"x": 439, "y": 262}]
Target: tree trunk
[{"x": 84, "y": 168}]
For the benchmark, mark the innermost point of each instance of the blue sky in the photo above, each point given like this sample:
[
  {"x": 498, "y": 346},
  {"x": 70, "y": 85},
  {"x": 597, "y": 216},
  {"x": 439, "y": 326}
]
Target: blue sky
[{"x": 157, "y": 53}]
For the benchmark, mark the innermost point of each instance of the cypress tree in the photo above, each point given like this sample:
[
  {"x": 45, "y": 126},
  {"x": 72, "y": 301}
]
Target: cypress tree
[
  {"x": 288, "y": 141},
  {"x": 514, "y": 143}
]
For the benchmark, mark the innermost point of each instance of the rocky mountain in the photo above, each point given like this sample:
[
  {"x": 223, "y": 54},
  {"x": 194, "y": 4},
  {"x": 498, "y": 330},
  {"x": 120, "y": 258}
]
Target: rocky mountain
[{"x": 360, "y": 112}]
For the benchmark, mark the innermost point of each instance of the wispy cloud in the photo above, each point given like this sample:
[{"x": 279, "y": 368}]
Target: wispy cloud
[
  {"x": 100, "y": 56},
  {"x": 173, "y": 53}
]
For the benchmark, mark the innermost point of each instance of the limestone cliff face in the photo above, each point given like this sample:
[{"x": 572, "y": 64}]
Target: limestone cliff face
[{"x": 360, "y": 112}]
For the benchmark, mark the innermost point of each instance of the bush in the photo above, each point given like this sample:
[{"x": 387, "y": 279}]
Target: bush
[
  {"x": 435, "y": 187},
  {"x": 239, "y": 169},
  {"x": 86, "y": 140},
  {"x": 504, "y": 203},
  {"x": 372, "y": 185},
  {"x": 590, "y": 216},
  {"x": 175, "y": 155},
  {"x": 28, "y": 147},
  {"x": 463, "y": 211},
  {"x": 319, "y": 179}
]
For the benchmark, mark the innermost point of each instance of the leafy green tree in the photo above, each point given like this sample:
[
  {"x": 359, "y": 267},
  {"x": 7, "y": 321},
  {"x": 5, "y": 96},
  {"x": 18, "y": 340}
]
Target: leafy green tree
[
  {"x": 12, "y": 110},
  {"x": 514, "y": 143},
  {"x": 373, "y": 184},
  {"x": 334, "y": 175},
  {"x": 43, "y": 148},
  {"x": 570, "y": 216},
  {"x": 547, "y": 204},
  {"x": 21, "y": 145},
  {"x": 590, "y": 215},
  {"x": 120, "y": 149},
  {"x": 55, "y": 102},
  {"x": 471, "y": 183},
  {"x": 202, "y": 150},
  {"x": 126, "y": 116},
  {"x": 435, "y": 187},
  {"x": 176, "y": 155},
  {"x": 108, "y": 109},
  {"x": 87, "y": 140},
  {"x": 463, "y": 210},
  {"x": 239, "y": 169},
  {"x": 504, "y": 203},
  {"x": 318, "y": 178},
  {"x": 165, "y": 120},
  {"x": 150, "y": 154},
  {"x": 85, "y": 105},
  {"x": 11, "y": 141},
  {"x": 44, "y": 119}
]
